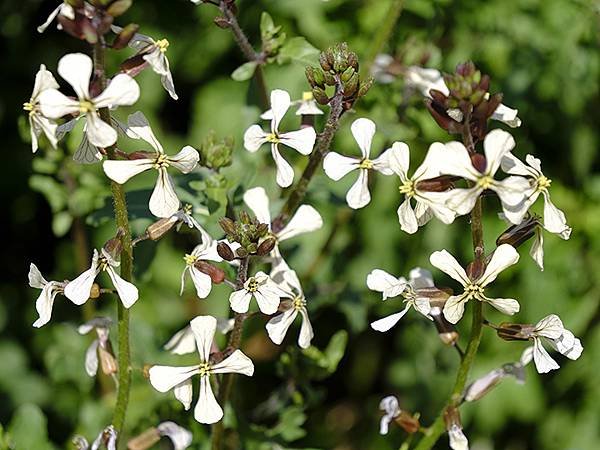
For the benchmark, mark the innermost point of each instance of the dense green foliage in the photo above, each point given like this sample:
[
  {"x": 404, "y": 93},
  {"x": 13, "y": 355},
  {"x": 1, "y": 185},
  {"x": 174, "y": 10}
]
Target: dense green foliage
[{"x": 543, "y": 55}]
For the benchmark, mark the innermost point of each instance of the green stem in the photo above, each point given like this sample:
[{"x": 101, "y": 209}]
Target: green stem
[
  {"x": 384, "y": 32},
  {"x": 122, "y": 222}
]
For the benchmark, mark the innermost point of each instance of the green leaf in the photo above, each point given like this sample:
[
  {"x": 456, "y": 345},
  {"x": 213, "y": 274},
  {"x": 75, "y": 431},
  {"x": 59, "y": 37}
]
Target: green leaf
[
  {"x": 245, "y": 71},
  {"x": 61, "y": 223},
  {"x": 28, "y": 429},
  {"x": 267, "y": 26},
  {"x": 55, "y": 193},
  {"x": 299, "y": 50},
  {"x": 289, "y": 427}
]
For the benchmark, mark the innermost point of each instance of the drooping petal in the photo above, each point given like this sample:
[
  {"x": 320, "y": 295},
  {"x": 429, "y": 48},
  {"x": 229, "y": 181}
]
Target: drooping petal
[
  {"x": 381, "y": 281},
  {"x": 507, "y": 115},
  {"x": 256, "y": 199},
  {"x": 388, "y": 322},
  {"x": 504, "y": 256},
  {"x": 165, "y": 378},
  {"x": 207, "y": 409},
  {"x": 45, "y": 303},
  {"x": 254, "y": 137},
  {"x": 54, "y": 104},
  {"x": 182, "y": 342},
  {"x": 98, "y": 132},
  {"x": 407, "y": 217},
  {"x": 280, "y": 103},
  {"x": 359, "y": 196},
  {"x": 237, "y": 362},
  {"x": 240, "y": 301},
  {"x": 121, "y": 91},
  {"x": 76, "y": 69},
  {"x": 505, "y": 305},
  {"x": 514, "y": 166},
  {"x": 183, "y": 392},
  {"x": 537, "y": 249},
  {"x": 454, "y": 308},
  {"x": 363, "y": 131},
  {"x": 554, "y": 219},
  {"x": 91, "y": 359},
  {"x": 180, "y": 437},
  {"x": 305, "y": 220},
  {"x": 204, "y": 328},
  {"x": 389, "y": 405},
  {"x": 78, "y": 290},
  {"x": 139, "y": 128},
  {"x": 43, "y": 80},
  {"x": 164, "y": 201},
  {"x": 36, "y": 279},
  {"x": 285, "y": 173},
  {"x": 306, "y": 330},
  {"x": 572, "y": 351},
  {"x": 399, "y": 159},
  {"x": 302, "y": 140},
  {"x": 202, "y": 282},
  {"x": 543, "y": 361},
  {"x": 122, "y": 171},
  {"x": 186, "y": 160},
  {"x": 444, "y": 261},
  {"x": 128, "y": 293},
  {"x": 496, "y": 145},
  {"x": 278, "y": 326},
  {"x": 550, "y": 327},
  {"x": 336, "y": 166}
]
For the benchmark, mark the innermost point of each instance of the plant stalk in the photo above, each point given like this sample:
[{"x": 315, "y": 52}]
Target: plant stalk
[{"x": 384, "y": 32}]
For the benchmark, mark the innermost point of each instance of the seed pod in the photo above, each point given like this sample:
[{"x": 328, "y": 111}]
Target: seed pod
[
  {"x": 515, "y": 331},
  {"x": 225, "y": 251},
  {"x": 266, "y": 246}
]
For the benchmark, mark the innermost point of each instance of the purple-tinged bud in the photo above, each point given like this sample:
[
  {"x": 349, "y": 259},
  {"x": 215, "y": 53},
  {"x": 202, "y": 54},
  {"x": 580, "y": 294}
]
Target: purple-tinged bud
[
  {"x": 134, "y": 65},
  {"x": 118, "y": 7},
  {"x": 479, "y": 162},
  {"x": 480, "y": 387},
  {"x": 408, "y": 422},
  {"x": 437, "y": 184},
  {"x": 225, "y": 252},
  {"x": 516, "y": 235}
]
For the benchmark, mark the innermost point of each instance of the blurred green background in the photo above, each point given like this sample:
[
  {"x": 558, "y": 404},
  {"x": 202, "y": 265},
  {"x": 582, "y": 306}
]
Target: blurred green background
[{"x": 542, "y": 54}]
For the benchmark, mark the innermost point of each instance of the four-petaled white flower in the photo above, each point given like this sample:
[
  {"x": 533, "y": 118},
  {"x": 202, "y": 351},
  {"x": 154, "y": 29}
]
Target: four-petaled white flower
[
  {"x": 337, "y": 166},
  {"x": 554, "y": 219},
  {"x": 76, "y": 69},
  {"x": 179, "y": 436},
  {"x": 206, "y": 251},
  {"x": 165, "y": 378},
  {"x": 155, "y": 54},
  {"x": 426, "y": 79},
  {"x": 562, "y": 340},
  {"x": 307, "y": 106},
  {"x": 184, "y": 342},
  {"x": 45, "y": 302},
  {"x": 260, "y": 286},
  {"x": 427, "y": 203},
  {"x": 294, "y": 304},
  {"x": 78, "y": 290},
  {"x": 391, "y": 409},
  {"x": 164, "y": 201},
  {"x": 39, "y": 124},
  {"x": 390, "y": 286},
  {"x": 302, "y": 140},
  {"x": 455, "y": 160},
  {"x": 504, "y": 256},
  {"x": 102, "y": 344}
]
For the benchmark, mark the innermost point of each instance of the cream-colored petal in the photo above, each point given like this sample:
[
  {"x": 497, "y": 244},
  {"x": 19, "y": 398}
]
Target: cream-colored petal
[{"x": 76, "y": 69}]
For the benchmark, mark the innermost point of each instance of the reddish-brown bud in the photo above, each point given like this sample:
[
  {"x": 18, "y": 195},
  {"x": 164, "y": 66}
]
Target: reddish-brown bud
[
  {"x": 479, "y": 162},
  {"x": 216, "y": 274},
  {"x": 266, "y": 246},
  {"x": 225, "y": 252},
  {"x": 437, "y": 184},
  {"x": 409, "y": 423}
]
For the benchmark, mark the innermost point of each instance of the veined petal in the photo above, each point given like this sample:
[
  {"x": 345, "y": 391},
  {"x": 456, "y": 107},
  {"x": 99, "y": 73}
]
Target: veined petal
[
  {"x": 444, "y": 261},
  {"x": 505, "y": 305},
  {"x": 254, "y": 137},
  {"x": 167, "y": 82},
  {"x": 381, "y": 281},
  {"x": 78, "y": 290},
  {"x": 285, "y": 173},
  {"x": 537, "y": 249},
  {"x": 98, "y": 132},
  {"x": 165, "y": 378},
  {"x": 513, "y": 166},
  {"x": 164, "y": 201},
  {"x": 278, "y": 326},
  {"x": 121, "y": 91},
  {"x": 572, "y": 351},
  {"x": 43, "y": 80},
  {"x": 336, "y": 166},
  {"x": 139, "y": 128},
  {"x": 91, "y": 359},
  {"x": 507, "y": 115},
  {"x": 240, "y": 301},
  {"x": 280, "y": 103},
  {"x": 306, "y": 330},
  {"x": 496, "y": 145},
  {"x": 420, "y": 278},
  {"x": 76, "y": 69},
  {"x": 36, "y": 279},
  {"x": 399, "y": 159},
  {"x": 128, "y": 293},
  {"x": 431, "y": 166},
  {"x": 184, "y": 392},
  {"x": 554, "y": 219},
  {"x": 256, "y": 199},
  {"x": 462, "y": 200},
  {"x": 543, "y": 361},
  {"x": 454, "y": 308},
  {"x": 186, "y": 160},
  {"x": 381, "y": 164},
  {"x": 86, "y": 153},
  {"x": 44, "y": 303},
  {"x": 202, "y": 282},
  {"x": 514, "y": 192},
  {"x": 122, "y": 171},
  {"x": 237, "y": 362},
  {"x": 359, "y": 196},
  {"x": 422, "y": 305},
  {"x": 550, "y": 327},
  {"x": 455, "y": 160},
  {"x": 388, "y": 322},
  {"x": 268, "y": 300},
  {"x": 504, "y": 256},
  {"x": 204, "y": 328},
  {"x": 182, "y": 342},
  {"x": 305, "y": 220},
  {"x": 302, "y": 140},
  {"x": 207, "y": 409},
  {"x": 363, "y": 131},
  {"x": 407, "y": 217},
  {"x": 54, "y": 104}
]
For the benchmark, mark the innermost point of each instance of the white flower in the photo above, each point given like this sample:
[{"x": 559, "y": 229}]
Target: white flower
[
  {"x": 337, "y": 166},
  {"x": 302, "y": 140},
  {"x": 45, "y": 302},
  {"x": 427, "y": 203},
  {"x": 266, "y": 292},
  {"x": 155, "y": 54},
  {"x": 380, "y": 68},
  {"x": 391, "y": 410},
  {"x": 78, "y": 290},
  {"x": 180, "y": 437},
  {"x": 164, "y": 201},
  {"x": 165, "y": 378},
  {"x": 426, "y": 79},
  {"x": 562, "y": 340},
  {"x": 455, "y": 160},
  {"x": 76, "y": 69},
  {"x": 64, "y": 9},
  {"x": 183, "y": 342},
  {"x": 206, "y": 251},
  {"x": 39, "y": 124},
  {"x": 458, "y": 440},
  {"x": 554, "y": 219},
  {"x": 307, "y": 106},
  {"x": 390, "y": 286},
  {"x": 102, "y": 327},
  {"x": 504, "y": 256},
  {"x": 278, "y": 326}
]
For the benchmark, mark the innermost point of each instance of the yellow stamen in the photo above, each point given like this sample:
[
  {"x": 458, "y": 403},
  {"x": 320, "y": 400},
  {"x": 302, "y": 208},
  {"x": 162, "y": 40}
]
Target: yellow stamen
[
  {"x": 307, "y": 96},
  {"x": 27, "y": 106},
  {"x": 252, "y": 285},
  {"x": 408, "y": 188},
  {"x": 542, "y": 183},
  {"x": 366, "y": 164},
  {"x": 85, "y": 106},
  {"x": 190, "y": 259},
  {"x": 273, "y": 138},
  {"x": 162, "y": 45},
  {"x": 299, "y": 303},
  {"x": 161, "y": 162},
  {"x": 204, "y": 369},
  {"x": 473, "y": 289},
  {"x": 485, "y": 182}
]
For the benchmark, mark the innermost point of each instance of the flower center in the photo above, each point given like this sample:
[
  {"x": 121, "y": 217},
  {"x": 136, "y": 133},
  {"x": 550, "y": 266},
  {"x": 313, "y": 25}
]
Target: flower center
[
  {"x": 161, "y": 162},
  {"x": 542, "y": 183},
  {"x": 473, "y": 289},
  {"x": 85, "y": 106},
  {"x": 299, "y": 303},
  {"x": 190, "y": 259},
  {"x": 408, "y": 188},
  {"x": 366, "y": 164},
  {"x": 162, "y": 45},
  {"x": 252, "y": 285},
  {"x": 485, "y": 182},
  {"x": 307, "y": 96},
  {"x": 273, "y": 138},
  {"x": 28, "y": 106},
  {"x": 102, "y": 263},
  {"x": 204, "y": 369},
  {"x": 188, "y": 209}
]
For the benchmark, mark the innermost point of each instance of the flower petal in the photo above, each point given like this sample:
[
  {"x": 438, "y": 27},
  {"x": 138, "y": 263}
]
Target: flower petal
[
  {"x": 444, "y": 261},
  {"x": 122, "y": 171},
  {"x": 507, "y": 115},
  {"x": 237, "y": 362},
  {"x": 45, "y": 303},
  {"x": 504, "y": 256},
  {"x": 207, "y": 409},
  {"x": 164, "y": 201},
  {"x": 537, "y": 249},
  {"x": 462, "y": 200},
  {"x": 280, "y": 103},
  {"x": 302, "y": 140},
  {"x": 128, "y": 293},
  {"x": 121, "y": 91},
  {"x": 86, "y": 153},
  {"x": 78, "y": 290},
  {"x": 363, "y": 131},
  {"x": 165, "y": 378},
  {"x": 306, "y": 330},
  {"x": 550, "y": 327},
  {"x": 388, "y": 322},
  {"x": 139, "y": 128},
  {"x": 254, "y": 137},
  {"x": 202, "y": 282},
  {"x": 407, "y": 217},
  {"x": 381, "y": 281},
  {"x": 455, "y": 160},
  {"x": 496, "y": 145},
  {"x": 76, "y": 69},
  {"x": 554, "y": 219},
  {"x": 182, "y": 342},
  {"x": 285, "y": 173},
  {"x": 240, "y": 301},
  {"x": 184, "y": 392},
  {"x": 399, "y": 159},
  {"x": 278, "y": 326},
  {"x": 91, "y": 359},
  {"x": 268, "y": 300},
  {"x": 180, "y": 437},
  {"x": 543, "y": 361},
  {"x": 336, "y": 166},
  {"x": 454, "y": 308},
  {"x": 204, "y": 328},
  {"x": 256, "y": 199},
  {"x": 98, "y": 132},
  {"x": 359, "y": 196},
  {"x": 36, "y": 279},
  {"x": 305, "y": 220},
  {"x": 54, "y": 104},
  {"x": 186, "y": 160}
]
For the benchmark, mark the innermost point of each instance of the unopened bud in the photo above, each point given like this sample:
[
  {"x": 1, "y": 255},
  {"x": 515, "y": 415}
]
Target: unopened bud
[
  {"x": 145, "y": 440},
  {"x": 326, "y": 60},
  {"x": 161, "y": 227},
  {"x": 320, "y": 96},
  {"x": 245, "y": 218},
  {"x": 479, "y": 162},
  {"x": 518, "y": 234},
  {"x": 480, "y": 387},
  {"x": 409, "y": 423},
  {"x": 266, "y": 246},
  {"x": 95, "y": 291},
  {"x": 108, "y": 363},
  {"x": 365, "y": 86},
  {"x": 515, "y": 331},
  {"x": 125, "y": 36},
  {"x": 119, "y": 7},
  {"x": 225, "y": 252},
  {"x": 351, "y": 86},
  {"x": 262, "y": 229},
  {"x": 241, "y": 253},
  {"x": 347, "y": 74},
  {"x": 227, "y": 225},
  {"x": 216, "y": 274}
]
